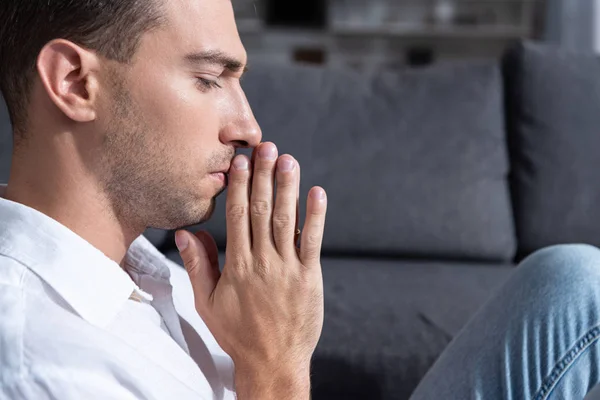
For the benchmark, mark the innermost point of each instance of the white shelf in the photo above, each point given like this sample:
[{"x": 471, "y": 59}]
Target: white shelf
[
  {"x": 383, "y": 39},
  {"x": 431, "y": 31},
  {"x": 414, "y": 31}
]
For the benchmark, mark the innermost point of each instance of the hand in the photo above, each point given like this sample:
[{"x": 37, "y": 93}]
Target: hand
[{"x": 266, "y": 308}]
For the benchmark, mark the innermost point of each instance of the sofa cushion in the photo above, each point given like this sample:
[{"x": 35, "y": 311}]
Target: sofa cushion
[
  {"x": 387, "y": 321},
  {"x": 553, "y": 98},
  {"x": 392, "y": 338},
  {"x": 414, "y": 162}
]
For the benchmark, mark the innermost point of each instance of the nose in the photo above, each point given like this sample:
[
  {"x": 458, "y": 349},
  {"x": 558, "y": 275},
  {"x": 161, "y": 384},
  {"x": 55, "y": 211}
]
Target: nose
[{"x": 242, "y": 129}]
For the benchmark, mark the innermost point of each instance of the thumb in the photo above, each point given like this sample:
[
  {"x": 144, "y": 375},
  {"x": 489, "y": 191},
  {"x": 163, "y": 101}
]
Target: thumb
[
  {"x": 210, "y": 245},
  {"x": 201, "y": 263}
]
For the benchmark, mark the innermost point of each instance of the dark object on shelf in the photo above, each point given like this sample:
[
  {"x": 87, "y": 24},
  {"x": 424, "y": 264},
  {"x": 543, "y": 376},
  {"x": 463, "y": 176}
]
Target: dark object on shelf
[
  {"x": 296, "y": 13},
  {"x": 310, "y": 56},
  {"x": 489, "y": 16},
  {"x": 420, "y": 56},
  {"x": 471, "y": 20}
]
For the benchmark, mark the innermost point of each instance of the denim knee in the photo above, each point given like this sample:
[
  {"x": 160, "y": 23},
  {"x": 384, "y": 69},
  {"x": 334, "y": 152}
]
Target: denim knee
[
  {"x": 569, "y": 260},
  {"x": 573, "y": 268},
  {"x": 531, "y": 337}
]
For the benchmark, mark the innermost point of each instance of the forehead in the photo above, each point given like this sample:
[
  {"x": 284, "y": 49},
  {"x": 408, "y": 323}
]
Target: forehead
[{"x": 202, "y": 25}]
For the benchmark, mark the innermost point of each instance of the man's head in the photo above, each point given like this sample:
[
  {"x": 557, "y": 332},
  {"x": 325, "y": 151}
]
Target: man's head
[{"x": 145, "y": 94}]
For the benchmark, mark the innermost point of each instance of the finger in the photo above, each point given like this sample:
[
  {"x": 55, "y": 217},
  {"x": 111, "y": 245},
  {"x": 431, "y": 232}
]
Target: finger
[
  {"x": 237, "y": 208},
  {"x": 203, "y": 273},
  {"x": 314, "y": 226},
  {"x": 252, "y": 164},
  {"x": 284, "y": 213},
  {"x": 261, "y": 199},
  {"x": 254, "y": 154},
  {"x": 298, "y": 177}
]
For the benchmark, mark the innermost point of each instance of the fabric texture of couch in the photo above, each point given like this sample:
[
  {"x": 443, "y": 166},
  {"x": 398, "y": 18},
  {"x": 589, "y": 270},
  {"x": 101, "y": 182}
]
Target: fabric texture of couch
[{"x": 554, "y": 118}]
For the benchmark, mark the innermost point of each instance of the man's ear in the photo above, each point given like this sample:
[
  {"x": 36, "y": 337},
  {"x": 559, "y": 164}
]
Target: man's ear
[{"x": 69, "y": 74}]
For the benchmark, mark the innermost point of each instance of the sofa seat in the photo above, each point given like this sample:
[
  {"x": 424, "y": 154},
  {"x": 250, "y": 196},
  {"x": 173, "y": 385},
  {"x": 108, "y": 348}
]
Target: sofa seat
[{"x": 387, "y": 321}]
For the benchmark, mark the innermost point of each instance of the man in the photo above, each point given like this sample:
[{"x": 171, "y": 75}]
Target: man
[{"x": 127, "y": 114}]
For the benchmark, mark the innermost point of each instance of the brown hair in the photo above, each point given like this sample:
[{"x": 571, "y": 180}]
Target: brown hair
[{"x": 113, "y": 28}]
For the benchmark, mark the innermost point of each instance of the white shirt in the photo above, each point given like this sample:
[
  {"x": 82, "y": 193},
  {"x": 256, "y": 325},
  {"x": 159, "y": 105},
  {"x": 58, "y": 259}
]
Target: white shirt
[{"x": 69, "y": 328}]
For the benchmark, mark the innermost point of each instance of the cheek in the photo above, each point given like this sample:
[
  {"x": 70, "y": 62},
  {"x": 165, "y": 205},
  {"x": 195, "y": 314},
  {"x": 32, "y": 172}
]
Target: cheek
[
  {"x": 192, "y": 129},
  {"x": 184, "y": 124},
  {"x": 183, "y": 114}
]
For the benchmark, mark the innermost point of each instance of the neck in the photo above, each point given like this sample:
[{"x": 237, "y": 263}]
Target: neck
[{"x": 64, "y": 189}]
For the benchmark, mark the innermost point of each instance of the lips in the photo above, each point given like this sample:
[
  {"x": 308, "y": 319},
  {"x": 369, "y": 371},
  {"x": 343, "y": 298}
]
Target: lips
[
  {"x": 221, "y": 177},
  {"x": 222, "y": 174},
  {"x": 224, "y": 170}
]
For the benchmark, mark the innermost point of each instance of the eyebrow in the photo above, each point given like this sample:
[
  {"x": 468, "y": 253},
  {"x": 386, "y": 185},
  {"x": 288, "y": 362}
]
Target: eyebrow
[{"x": 217, "y": 58}]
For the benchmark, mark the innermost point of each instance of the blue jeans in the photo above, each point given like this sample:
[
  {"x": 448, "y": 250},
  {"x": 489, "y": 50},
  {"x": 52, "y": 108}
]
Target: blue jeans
[{"x": 536, "y": 339}]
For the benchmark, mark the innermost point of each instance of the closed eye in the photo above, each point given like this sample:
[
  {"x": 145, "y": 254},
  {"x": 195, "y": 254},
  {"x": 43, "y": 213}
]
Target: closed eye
[{"x": 207, "y": 84}]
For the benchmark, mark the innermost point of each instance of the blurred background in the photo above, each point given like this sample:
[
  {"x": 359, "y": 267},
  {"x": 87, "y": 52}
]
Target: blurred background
[{"x": 375, "y": 34}]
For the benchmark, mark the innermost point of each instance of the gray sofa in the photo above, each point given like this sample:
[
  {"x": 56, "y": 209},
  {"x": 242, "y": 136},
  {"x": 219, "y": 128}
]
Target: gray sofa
[{"x": 440, "y": 180}]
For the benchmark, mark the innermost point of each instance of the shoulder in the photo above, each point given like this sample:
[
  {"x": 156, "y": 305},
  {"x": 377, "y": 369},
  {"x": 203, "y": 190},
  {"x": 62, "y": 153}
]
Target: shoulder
[
  {"x": 12, "y": 317},
  {"x": 12, "y": 272},
  {"x": 47, "y": 350},
  {"x": 38, "y": 329}
]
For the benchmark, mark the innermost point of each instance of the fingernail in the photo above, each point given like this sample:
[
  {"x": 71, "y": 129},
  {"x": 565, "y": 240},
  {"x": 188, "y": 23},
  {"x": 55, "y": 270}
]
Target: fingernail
[
  {"x": 181, "y": 240},
  {"x": 286, "y": 164},
  {"x": 318, "y": 194},
  {"x": 240, "y": 163},
  {"x": 268, "y": 151}
]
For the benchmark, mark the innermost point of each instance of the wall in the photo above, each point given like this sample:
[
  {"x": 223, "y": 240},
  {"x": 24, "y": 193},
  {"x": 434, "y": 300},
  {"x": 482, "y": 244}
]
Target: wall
[
  {"x": 596, "y": 14},
  {"x": 572, "y": 23}
]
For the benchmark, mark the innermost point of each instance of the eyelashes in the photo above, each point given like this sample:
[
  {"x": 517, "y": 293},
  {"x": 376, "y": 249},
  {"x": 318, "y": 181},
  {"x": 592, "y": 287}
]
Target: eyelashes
[{"x": 207, "y": 84}]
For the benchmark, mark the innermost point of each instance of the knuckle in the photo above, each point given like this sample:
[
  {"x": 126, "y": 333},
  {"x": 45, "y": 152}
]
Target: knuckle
[
  {"x": 283, "y": 220},
  {"x": 237, "y": 212},
  {"x": 305, "y": 283},
  {"x": 312, "y": 253},
  {"x": 239, "y": 260},
  {"x": 313, "y": 239},
  {"x": 286, "y": 192},
  {"x": 316, "y": 214},
  {"x": 262, "y": 265},
  {"x": 239, "y": 178},
  {"x": 308, "y": 285},
  {"x": 261, "y": 208},
  {"x": 237, "y": 266},
  {"x": 192, "y": 265},
  {"x": 302, "y": 277},
  {"x": 264, "y": 171},
  {"x": 285, "y": 179}
]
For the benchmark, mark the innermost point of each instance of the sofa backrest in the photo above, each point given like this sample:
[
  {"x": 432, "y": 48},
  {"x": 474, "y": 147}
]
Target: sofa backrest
[
  {"x": 553, "y": 103},
  {"x": 415, "y": 163}
]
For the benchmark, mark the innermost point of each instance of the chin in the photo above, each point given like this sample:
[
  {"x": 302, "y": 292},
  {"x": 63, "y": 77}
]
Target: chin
[
  {"x": 210, "y": 211},
  {"x": 184, "y": 214},
  {"x": 198, "y": 216}
]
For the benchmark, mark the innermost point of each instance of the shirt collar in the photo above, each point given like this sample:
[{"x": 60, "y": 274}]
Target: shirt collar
[{"x": 95, "y": 286}]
